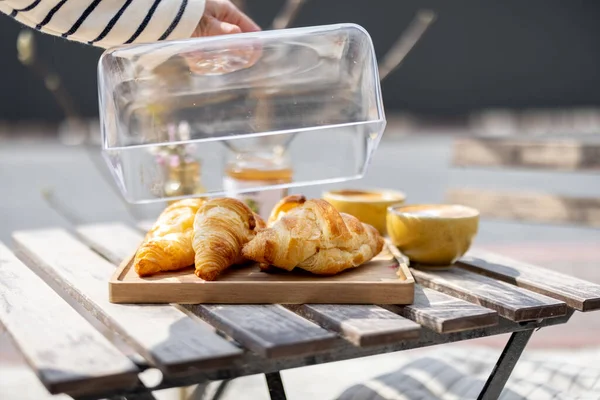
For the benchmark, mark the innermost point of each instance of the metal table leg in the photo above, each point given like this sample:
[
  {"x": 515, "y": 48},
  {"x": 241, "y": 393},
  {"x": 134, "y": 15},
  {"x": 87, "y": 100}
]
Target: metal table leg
[
  {"x": 276, "y": 390},
  {"x": 198, "y": 392},
  {"x": 505, "y": 365},
  {"x": 221, "y": 389}
]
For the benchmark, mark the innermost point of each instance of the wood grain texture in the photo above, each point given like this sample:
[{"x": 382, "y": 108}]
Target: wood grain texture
[
  {"x": 569, "y": 155},
  {"x": 577, "y": 293},
  {"x": 282, "y": 332},
  {"x": 529, "y": 206},
  {"x": 165, "y": 336},
  {"x": 112, "y": 240},
  {"x": 362, "y": 325},
  {"x": 445, "y": 314},
  {"x": 376, "y": 282},
  {"x": 268, "y": 330},
  {"x": 511, "y": 302},
  {"x": 66, "y": 352}
]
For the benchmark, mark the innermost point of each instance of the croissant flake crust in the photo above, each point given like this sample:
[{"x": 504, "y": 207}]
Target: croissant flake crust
[
  {"x": 215, "y": 234},
  {"x": 222, "y": 227},
  {"x": 315, "y": 237},
  {"x": 168, "y": 244}
]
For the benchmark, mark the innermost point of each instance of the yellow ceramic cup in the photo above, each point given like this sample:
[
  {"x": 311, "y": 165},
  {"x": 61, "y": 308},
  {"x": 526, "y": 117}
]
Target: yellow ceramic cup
[
  {"x": 434, "y": 235},
  {"x": 369, "y": 206}
]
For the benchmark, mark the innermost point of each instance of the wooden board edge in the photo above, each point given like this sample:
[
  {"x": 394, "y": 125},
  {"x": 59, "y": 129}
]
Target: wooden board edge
[
  {"x": 122, "y": 267},
  {"x": 405, "y": 270},
  {"x": 121, "y": 293},
  {"x": 116, "y": 281},
  {"x": 402, "y": 261},
  {"x": 396, "y": 292}
]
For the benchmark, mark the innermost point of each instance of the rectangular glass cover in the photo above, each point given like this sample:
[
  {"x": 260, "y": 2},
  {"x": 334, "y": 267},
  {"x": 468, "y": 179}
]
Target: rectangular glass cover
[{"x": 240, "y": 113}]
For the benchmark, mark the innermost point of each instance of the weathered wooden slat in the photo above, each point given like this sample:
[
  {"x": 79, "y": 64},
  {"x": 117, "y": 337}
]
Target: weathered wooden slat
[
  {"x": 164, "y": 335},
  {"x": 577, "y": 293},
  {"x": 529, "y": 206},
  {"x": 509, "y": 301},
  {"x": 570, "y": 155},
  {"x": 66, "y": 352},
  {"x": 362, "y": 325},
  {"x": 268, "y": 330},
  {"x": 111, "y": 240},
  {"x": 438, "y": 311},
  {"x": 444, "y": 313}
]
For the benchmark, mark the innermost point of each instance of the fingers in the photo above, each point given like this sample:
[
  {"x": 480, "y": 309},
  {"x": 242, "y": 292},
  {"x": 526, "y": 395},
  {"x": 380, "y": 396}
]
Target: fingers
[
  {"x": 221, "y": 17},
  {"x": 213, "y": 27},
  {"x": 228, "y": 28}
]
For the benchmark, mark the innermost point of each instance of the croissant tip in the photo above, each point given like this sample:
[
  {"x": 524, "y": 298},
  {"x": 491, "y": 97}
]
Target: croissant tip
[
  {"x": 146, "y": 268},
  {"x": 206, "y": 276},
  {"x": 267, "y": 268}
]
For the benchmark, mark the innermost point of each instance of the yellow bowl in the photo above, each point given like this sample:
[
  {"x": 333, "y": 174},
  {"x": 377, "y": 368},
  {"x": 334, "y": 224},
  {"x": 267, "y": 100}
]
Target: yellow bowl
[
  {"x": 435, "y": 235},
  {"x": 369, "y": 206}
]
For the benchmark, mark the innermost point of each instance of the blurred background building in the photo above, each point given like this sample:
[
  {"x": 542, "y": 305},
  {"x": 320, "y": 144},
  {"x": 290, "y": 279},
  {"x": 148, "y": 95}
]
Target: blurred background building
[{"x": 476, "y": 56}]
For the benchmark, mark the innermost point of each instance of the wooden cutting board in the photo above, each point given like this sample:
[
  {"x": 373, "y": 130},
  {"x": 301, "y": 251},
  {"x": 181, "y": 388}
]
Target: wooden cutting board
[{"x": 380, "y": 281}]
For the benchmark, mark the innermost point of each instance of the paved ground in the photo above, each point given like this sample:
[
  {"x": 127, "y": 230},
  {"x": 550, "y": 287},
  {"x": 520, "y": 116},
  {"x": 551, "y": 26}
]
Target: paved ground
[{"x": 417, "y": 165}]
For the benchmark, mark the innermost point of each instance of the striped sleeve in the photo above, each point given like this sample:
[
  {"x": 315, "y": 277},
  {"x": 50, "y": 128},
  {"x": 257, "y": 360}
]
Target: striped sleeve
[{"x": 107, "y": 23}]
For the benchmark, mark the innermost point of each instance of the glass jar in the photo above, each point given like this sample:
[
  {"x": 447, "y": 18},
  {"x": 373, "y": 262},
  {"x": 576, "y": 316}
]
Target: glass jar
[{"x": 245, "y": 170}]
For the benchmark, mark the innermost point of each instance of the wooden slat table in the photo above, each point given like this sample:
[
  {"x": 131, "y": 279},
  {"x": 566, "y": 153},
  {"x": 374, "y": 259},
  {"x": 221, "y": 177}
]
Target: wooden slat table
[{"x": 482, "y": 295}]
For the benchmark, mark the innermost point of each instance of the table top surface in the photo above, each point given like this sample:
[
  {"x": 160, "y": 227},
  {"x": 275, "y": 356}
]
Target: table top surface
[{"x": 483, "y": 294}]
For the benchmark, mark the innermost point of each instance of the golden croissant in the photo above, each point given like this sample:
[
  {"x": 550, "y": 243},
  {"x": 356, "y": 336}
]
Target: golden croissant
[
  {"x": 315, "y": 237},
  {"x": 221, "y": 228},
  {"x": 168, "y": 244}
]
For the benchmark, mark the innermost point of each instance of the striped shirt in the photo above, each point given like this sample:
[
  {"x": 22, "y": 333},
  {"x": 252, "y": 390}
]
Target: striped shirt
[{"x": 107, "y": 23}]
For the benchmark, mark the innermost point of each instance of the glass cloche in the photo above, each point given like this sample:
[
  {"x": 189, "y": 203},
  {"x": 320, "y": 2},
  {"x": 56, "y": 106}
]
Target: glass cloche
[{"x": 240, "y": 113}]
